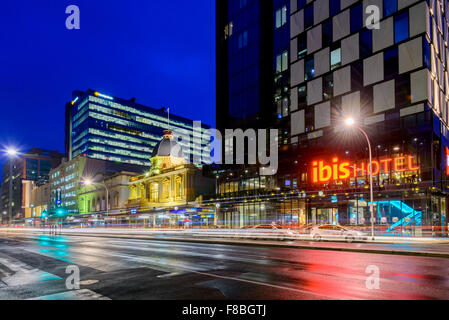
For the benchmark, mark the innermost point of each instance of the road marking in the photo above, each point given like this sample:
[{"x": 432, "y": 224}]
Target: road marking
[
  {"x": 25, "y": 274},
  {"x": 169, "y": 275},
  {"x": 83, "y": 294},
  {"x": 88, "y": 282}
]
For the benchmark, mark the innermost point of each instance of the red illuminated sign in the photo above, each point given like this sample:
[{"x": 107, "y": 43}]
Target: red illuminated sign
[{"x": 343, "y": 170}]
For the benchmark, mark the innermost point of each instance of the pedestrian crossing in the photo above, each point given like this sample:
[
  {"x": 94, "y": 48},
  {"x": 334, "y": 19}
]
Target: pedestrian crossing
[{"x": 82, "y": 294}]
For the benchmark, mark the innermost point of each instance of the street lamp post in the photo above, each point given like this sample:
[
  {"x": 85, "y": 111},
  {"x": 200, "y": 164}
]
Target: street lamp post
[
  {"x": 12, "y": 153},
  {"x": 350, "y": 122}
]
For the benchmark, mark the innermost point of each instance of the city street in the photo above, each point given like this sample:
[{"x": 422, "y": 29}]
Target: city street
[{"x": 33, "y": 266}]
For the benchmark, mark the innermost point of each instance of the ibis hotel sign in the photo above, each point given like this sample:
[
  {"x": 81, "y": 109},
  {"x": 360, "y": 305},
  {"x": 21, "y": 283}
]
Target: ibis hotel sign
[{"x": 338, "y": 170}]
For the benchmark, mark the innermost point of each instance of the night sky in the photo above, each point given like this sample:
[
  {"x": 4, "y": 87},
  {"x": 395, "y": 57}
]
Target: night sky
[{"x": 160, "y": 52}]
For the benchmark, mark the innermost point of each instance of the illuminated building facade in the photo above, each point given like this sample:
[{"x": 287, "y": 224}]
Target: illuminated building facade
[
  {"x": 394, "y": 82},
  {"x": 30, "y": 168},
  {"x": 103, "y": 127},
  {"x": 171, "y": 190},
  {"x": 35, "y": 201},
  {"x": 66, "y": 181},
  {"x": 92, "y": 199}
]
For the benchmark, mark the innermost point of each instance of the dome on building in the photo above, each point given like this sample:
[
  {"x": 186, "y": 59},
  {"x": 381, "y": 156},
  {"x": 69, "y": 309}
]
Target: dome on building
[{"x": 168, "y": 147}]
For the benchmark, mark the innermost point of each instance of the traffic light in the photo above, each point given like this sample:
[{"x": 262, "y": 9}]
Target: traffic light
[{"x": 61, "y": 212}]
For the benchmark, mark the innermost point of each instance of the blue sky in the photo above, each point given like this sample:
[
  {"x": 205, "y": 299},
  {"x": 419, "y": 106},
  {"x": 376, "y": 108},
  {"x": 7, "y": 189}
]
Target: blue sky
[{"x": 160, "y": 52}]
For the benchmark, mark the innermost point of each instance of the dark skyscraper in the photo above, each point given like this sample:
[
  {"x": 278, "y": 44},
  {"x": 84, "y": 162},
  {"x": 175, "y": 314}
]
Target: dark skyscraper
[{"x": 252, "y": 63}]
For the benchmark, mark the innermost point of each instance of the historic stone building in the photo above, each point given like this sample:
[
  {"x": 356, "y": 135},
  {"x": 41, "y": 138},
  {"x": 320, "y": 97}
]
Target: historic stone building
[{"x": 171, "y": 182}]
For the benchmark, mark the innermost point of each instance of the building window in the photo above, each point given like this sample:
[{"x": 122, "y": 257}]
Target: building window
[
  {"x": 302, "y": 96},
  {"x": 154, "y": 192},
  {"x": 166, "y": 189},
  {"x": 335, "y": 58},
  {"x": 229, "y": 29},
  {"x": 282, "y": 62},
  {"x": 401, "y": 27},
  {"x": 403, "y": 91},
  {"x": 243, "y": 39},
  {"x": 366, "y": 44},
  {"x": 308, "y": 16},
  {"x": 328, "y": 86},
  {"x": 391, "y": 63},
  {"x": 334, "y": 7},
  {"x": 179, "y": 187},
  {"x": 390, "y": 7},
  {"x": 302, "y": 45},
  {"x": 327, "y": 33},
  {"x": 281, "y": 17},
  {"x": 356, "y": 18},
  {"x": 310, "y": 68},
  {"x": 301, "y": 4}
]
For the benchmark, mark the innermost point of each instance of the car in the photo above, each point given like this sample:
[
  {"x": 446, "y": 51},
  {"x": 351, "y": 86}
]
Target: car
[
  {"x": 270, "y": 231},
  {"x": 335, "y": 232}
]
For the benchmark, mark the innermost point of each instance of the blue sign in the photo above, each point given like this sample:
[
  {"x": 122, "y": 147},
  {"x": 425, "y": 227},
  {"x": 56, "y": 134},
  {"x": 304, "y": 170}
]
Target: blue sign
[{"x": 133, "y": 211}]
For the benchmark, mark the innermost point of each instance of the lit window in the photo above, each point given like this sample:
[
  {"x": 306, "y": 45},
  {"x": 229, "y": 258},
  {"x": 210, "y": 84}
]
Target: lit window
[
  {"x": 281, "y": 17},
  {"x": 282, "y": 62},
  {"x": 335, "y": 58}
]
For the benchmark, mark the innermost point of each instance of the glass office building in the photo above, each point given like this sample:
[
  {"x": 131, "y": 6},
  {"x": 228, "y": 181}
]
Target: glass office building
[
  {"x": 103, "y": 127},
  {"x": 35, "y": 165}
]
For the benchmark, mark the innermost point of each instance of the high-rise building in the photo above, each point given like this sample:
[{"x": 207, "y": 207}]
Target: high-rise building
[
  {"x": 35, "y": 165},
  {"x": 103, "y": 127},
  {"x": 253, "y": 91},
  {"x": 252, "y": 39},
  {"x": 392, "y": 80}
]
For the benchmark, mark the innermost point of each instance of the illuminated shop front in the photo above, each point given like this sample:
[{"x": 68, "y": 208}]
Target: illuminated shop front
[{"x": 326, "y": 187}]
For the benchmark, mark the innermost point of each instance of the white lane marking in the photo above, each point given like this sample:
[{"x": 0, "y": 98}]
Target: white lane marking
[
  {"x": 88, "y": 282},
  {"x": 25, "y": 274},
  {"x": 169, "y": 275},
  {"x": 83, "y": 294}
]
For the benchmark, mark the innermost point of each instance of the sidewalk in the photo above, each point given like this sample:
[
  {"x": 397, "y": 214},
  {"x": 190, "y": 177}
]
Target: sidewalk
[{"x": 410, "y": 246}]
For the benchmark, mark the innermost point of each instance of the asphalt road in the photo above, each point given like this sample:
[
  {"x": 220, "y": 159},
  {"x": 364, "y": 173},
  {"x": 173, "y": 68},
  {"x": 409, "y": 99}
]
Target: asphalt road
[{"x": 35, "y": 267}]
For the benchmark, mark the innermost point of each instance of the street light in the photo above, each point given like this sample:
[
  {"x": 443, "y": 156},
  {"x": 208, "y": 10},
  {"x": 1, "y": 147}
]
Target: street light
[
  {"x": 11, "y": 153},
  {"x": 89, "y": 182},
  {"x": 350, "y": 122}
]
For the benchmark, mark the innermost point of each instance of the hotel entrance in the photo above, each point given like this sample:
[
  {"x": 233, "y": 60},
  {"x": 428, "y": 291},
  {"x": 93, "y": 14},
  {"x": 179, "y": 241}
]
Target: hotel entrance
[{"x": 322, "y": 216}]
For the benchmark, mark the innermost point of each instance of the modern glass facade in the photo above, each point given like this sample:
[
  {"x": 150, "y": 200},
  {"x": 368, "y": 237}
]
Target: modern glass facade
[
  {"x": 252, "y": 55},
  {"x": 109, "y": 128},
  {"x": 393, "y": 82}
]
